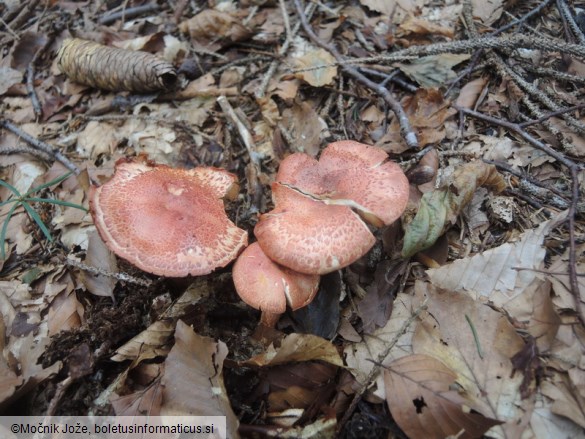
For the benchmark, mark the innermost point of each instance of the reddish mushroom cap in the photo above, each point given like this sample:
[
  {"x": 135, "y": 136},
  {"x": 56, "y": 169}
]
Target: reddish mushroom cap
[
  {"x": 352, "y": 174},
  {"x": 310, "y": 236},
  {"x": 269, "y": 287},
  {"x": 170, "y": 222}
]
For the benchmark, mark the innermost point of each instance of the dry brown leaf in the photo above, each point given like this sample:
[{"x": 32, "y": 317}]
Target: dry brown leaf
[
  {"x": 434, "y": 70},
  {"x": 306, "y": 128},
  {"x": 297, "y": 347},
  {"x": 315, "y": 59},
  {"x": 9, "y": 381},
  {"x": 360, "y": 356},
  {"x": 100, "y": 257},
  {"x": 139, "y": 403},
  {"x": 8, "y": 78},
  {"x": 494, "y": 273},
  {"x": 477, "y": 344},
  {"x": 470, "y": 92},
  {"x": 488, "y": 11},
  {"x": 212, "y": 29},
  {"x": 193, "y": 380},
  {"x": 65, "y": 312},
  {"x": 427, "y": 111},
  {"x": 420, "y": 396},
  {"x": 420, "y": 26},
  {"x": 566, "y": 401},
  {"x": 544, "y": 322}
]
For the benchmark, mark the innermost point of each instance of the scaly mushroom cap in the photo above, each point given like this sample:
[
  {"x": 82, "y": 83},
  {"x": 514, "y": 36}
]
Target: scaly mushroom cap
[
  {"x": 351, "y": 174},
  {"x": 269, "y": 287},
  {"x": 170, "y": 222},
  {"x": 310, "y": 236}
]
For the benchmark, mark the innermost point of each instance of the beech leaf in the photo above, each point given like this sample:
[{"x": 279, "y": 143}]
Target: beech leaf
[
  {"x": 441, "y": 207},
  {"x": 419, "y": 396}
]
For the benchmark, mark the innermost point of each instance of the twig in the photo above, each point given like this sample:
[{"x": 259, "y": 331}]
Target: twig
[
  {"x": 30, "y": 87},
  {"x": 254, "y": 184},
  {"x": 552, "y": 114},
  {"x": 136, "y": 11},
  {"x": 567, "y": 18},
  {"x": 405, "y": 128},
  {"x": 100, "y": 271},
  {"x": 574, "y": 170},
  {"x": 290, "y": 34},
  {"x": 41, "y": 146},
  {"x": 378, "y": 364},
  {"x": 511, "y": 42}
]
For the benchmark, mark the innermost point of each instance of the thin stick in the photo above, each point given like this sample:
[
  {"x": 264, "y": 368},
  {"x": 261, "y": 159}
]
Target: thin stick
[
  {"x": 511, "y": 42},
  {"x": 290, "y": 33},
  {"x": 378, "y": 363},
  {"x": 124, "y": 14},
  {"x": 41, "y": 146},
  {"x": 100, "y": 271},
  {"x": 233, "y": 118},
  {"x": 405, "y": 128}
]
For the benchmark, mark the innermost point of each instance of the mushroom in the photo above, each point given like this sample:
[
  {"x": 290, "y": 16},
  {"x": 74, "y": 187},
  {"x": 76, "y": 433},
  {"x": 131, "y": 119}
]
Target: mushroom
[
  {"x": 166, "y": 221},
  {"x": 269, "y": 287},
  {"x": 313, "y": 228}
]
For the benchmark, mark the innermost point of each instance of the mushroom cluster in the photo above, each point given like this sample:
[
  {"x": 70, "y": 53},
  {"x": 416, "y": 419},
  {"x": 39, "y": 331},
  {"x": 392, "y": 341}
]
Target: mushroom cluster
[
  {"x": 166, "y": 221},
  {"x": 319, "y": 223}
]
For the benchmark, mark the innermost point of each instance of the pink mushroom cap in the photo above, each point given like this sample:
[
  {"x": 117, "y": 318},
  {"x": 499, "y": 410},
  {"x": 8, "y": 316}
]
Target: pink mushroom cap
[
  {"x": 169, "y": 222},
  {"x": 269, "y": 287},
  {"x": 310, "y": 236},
  {"x": 352, "y": 174}
]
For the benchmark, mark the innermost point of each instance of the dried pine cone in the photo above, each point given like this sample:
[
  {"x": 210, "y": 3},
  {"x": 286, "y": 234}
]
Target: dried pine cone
[{"x": 108, "y": 68}]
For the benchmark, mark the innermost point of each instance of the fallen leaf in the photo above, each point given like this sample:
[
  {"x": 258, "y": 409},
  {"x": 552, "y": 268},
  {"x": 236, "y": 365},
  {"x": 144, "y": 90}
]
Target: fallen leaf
[
  {"x": 212, "y": 29},
  {"x": 418, "y": 26},
  {"x": 306, "y": 128},
  {"x": 477, "y": 344},
  {"x": 439, "y": 208},
  {"x": 322, "y": 73},
  {"x": 488, "y": 11},
  {"x": 420, "y": 397},
  {"x": 297, "y": 347},
  {"x": 470, "y": 92},
  {"x": 433, "y": 70},
  {"x": 100, "y": 257},
  {"x": 494, "y": 273},
  {"x": 193, "y": 380},
  {"x": 427, "y": 111}
]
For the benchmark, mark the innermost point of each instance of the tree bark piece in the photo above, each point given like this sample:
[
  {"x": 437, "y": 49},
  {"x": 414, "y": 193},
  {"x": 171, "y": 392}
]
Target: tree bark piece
[{"x": 113, "y": 69}]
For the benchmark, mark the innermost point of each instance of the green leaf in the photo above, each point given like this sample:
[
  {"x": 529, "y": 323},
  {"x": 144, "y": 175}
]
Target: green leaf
[
  {"x": 35, "y": 216},
  {"x": 10, "y": 187},
  {"x": 439, "y": 209},
  {"x": 5, "y": 228},
  {"x": 53, "y": 201},
  {"x": 10, "y": 200},
  {"x": 48, "y": 184}
]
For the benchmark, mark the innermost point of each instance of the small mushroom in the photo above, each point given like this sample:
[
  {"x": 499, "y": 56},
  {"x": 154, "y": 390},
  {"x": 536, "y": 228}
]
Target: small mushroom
[
  {"x": 269, "y": 287},
  {"x": 166, "y": 221},
  {"x": 313, "y": 228},
  {"x": 351, "y": 174},
  {"x": 310, "y": 236}
]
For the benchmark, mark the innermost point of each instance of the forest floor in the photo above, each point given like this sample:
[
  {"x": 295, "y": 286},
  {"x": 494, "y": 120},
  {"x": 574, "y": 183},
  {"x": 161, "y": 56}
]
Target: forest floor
[{"x": 466, "y": 317}]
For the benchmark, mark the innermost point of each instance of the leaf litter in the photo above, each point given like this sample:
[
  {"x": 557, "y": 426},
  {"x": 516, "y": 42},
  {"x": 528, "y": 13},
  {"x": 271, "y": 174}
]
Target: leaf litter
[{"x": 467, "y": 321}]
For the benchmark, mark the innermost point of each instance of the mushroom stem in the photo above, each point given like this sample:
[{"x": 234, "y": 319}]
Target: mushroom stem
[{"x": 269, "y": 319}]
